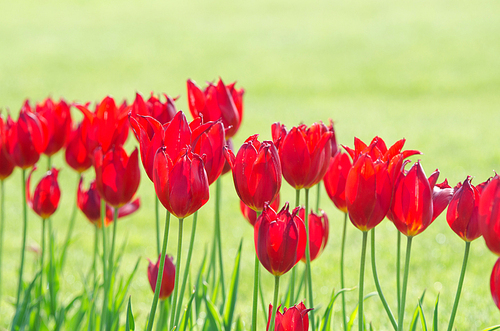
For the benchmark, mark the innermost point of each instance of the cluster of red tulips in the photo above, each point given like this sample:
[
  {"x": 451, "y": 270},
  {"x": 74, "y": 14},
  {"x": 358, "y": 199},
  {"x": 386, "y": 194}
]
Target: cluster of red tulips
[{"x": 368, "y": 183}]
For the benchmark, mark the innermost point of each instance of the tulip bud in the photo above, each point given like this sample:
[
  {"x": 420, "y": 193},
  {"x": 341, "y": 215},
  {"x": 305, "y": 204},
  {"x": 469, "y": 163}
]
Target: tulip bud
[
  {"x": 318, "y": 232},
  {"x": 335, "y": 179},
  {"x": 294, "y": 318},
  {"x": 168, "y": 279},
  {"x": 45, "y": 198},
  {"x": 489, "y": 214}
]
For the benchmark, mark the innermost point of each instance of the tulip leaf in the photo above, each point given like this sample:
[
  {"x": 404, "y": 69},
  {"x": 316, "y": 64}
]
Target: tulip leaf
[
  {"x": 352, "y": 318},
  {"x": 239, "y": 324},
  {"x": 413, "y": 324},
  {"x": 233, "y": 291},
  {"x": 435, "y": 317},
  {"x": 23, "y": 311},
  {"x": 214, "y": 320},
  {"x": 187, "y": 312},
  {"x": 422, "y": 317},
  {"x": 130, "y": 323},
  {"x": 492, "y": 328}
]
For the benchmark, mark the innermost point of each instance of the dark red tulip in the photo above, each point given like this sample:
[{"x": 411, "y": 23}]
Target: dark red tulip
[
  {"x": 368, "y": 192},
  {"x": 378, "y": 149},
  {"x": 45, "y": 198},
  {"x": 335, "y": 179},
  {"x": 333, "y": 140},
  {"x": 229, "y": 145},
  {"x": 462, "y": 215},
  {"x": 163, "y": 112},
  {"x": 256, "y": 172},
  {"x": 76, "y": 154},
  {"x": 6, "y": 164},
  {"x": 495, "y": 283},
  {"x": 251, "y": 215},
  {"x": 181, "y": 184},
  {"x": 304, "y": 153},
  {"x": 217, "y": 102},
  {"x": 319, "y": 229},
  {"x": 292, "y": 319},
  {"x": 89, "y": 202},
  {"x": 117, "y": 175},
  {"x": 280, "y": 239},
  {"x": 489, "y": 214},
  {"x": 58, "y": 118},
  {"x": 441, "y": 194},
  {"x": 168, "y": 279},
  {"x": 27, "y": 138}
]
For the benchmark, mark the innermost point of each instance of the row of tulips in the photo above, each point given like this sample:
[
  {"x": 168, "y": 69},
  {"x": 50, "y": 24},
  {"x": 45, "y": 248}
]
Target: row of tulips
[{"x": 368, "y": 183}]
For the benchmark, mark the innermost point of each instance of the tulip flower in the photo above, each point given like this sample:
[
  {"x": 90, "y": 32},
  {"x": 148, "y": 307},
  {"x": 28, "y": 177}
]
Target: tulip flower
[
  {"x": 251, "y": 215},
  {"x": 292, "y": 319},
  {"x": 495, "y": 283},
  {"x": 217, "y": 102},
  {"x": 45, "y": 198},
  {"x": 256, "y": 172},
  {"x": 304, "y": 153},
  {"x": 377, "y": 149},
  {"x": 335, "y": 179},
  {"x": 76, "y": 153},
  {"x": 318, "y": 232},
  {"x": 163, "y": 112},
  {"x": 167, "y": 282},
  {"x": 117, "y": 175},
  {"x": 58, "y": 118},
  {"x": 6, "y": 163},
  {"x": 489, "y": 214},
  {"x": 230, "y": 146}
]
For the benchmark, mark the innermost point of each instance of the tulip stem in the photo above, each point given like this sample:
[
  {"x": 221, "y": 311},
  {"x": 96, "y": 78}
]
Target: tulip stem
[
  {"x": 52, "y": 271},
  {"x": 255, "y": 292},
  {"x": 70, "y": 228},
  {"x": 460, "y": 284},
  {"x": 308, "y": 262},
  {"x": 275, "y": 301},
  {"x": 2, "y": 218},
  {"x": 160, "y": 274},
  {"x": 362, "y": 281},
  {"x": 23, "y": 245},
  {"x": 177, "y": 273},
  {"x": 318, "y": 192},
  {"x": 218, "y": 189},
  {"x": 398, "y": 270},
  {"x": 104, "y": 266},
  {"x": 96, "y": 244},
  {"x": 297, "y": 197},
  {"x": 41, "y": 277},
  {"x": 342, "y": 283},
  {"x": 157, "y": 213},
  {"x": 377, "y": 284},
  {"x": 186, "y": 271},
  {"x": 294, "y": 271},
  {"x": 405, "y": 284}
]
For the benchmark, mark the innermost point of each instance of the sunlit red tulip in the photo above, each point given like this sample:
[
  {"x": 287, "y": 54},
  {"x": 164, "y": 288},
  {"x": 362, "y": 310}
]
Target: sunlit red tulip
[
  {"x": 117, "y": 175},
  {"x": 229, "y": 145},
  {"x": 280, "y": 239},
  {"x": 181, "y": 184},
  {"x": 441, "y": 194},
  {"x": 45, "y": 198},
  {"x": 335, "y": 179},
  {"x": 6, "y": 164},
  {"x": 256, "y": 172},
  {"x": 292, "y": 319},
  {"x": 58, "y": 118},
  {"x": 251, "y": 215},
  {"x": 76, "y": 154},
  {"x": 495, "y": 283},
  {"x": 318, "y": 232},
  {"x": 333, "y": 140},
  {"x": 368, "y": 192},
  {"x": 217, "y": 101},
  {"x": 27, "y": 138},
  {"x": 462, "y": 215},
  {"x": 163, "y": 112},
  {"x": 489, "y": 214},
  {"x": 377, "y": 149},
  {"x": 304, "y": 153},
  {"x": 168, "y": 279},
  {"x": 89, "y": 202}
]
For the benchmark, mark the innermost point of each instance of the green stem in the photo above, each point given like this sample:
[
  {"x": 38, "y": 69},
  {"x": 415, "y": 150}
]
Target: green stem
[
  {"x": 318, "y": 192},
  {"x": 297, "y": 197},
  {"x": 460, "y": 284},
  {"x": 308, "y": 263},
  {"x": 2, "y": 217},
  {"x": 294, "y": 271},
  {"x": 262, "y": 304},
  {"x": 96, "y": 244},
  {"x": 52, "y": 271},
  {"x": 160, "y": 274},
  {"x": 161, "y": 320},
  {"x": 275, "y": 301},
  {"x": 25, "y": 230},
  {"x": 398, "y": 270},
  {"x": 111, "y": 261},
  {"x": 177, "y": 273},
  {"x": 186, "y": 271},
  {"x": 70, "y": 228},
  {"x": 104, "y": 266},
  {"x": 377, "y": 284},
  {"x": 218, "y": 189},
  {"x": 255, "y": 292},
  {"x": 362, "y": 281},
  {"x": 38, "y": 318},
  {"x": 342, "y": 283},
  {"x": 405, "y": 284},
  {"x": 157, "y": 213},
  {"x": 49, "y": 163}
]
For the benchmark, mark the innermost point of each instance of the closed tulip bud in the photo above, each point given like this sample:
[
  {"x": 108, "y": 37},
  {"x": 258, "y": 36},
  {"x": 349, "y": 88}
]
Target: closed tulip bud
[
  {"x": 251, "y": 215},
  {"x": 58, "y": 118},
  {"x": 168, "y": 279},
  {"x": 280, "y": 239},
  {"x": 489, "y": 214},
  {"x": 335, "y": 179},
  {"x": 256, "y": 172},
  {"x": 292, "y": 319},
  {"x": 495, "y": 283},
  {"x": 319, "y": 229},
  {"x": 45, "y": 198},
  {"x": 117, "y": 175},
  {"x": 77, "y": 156}
]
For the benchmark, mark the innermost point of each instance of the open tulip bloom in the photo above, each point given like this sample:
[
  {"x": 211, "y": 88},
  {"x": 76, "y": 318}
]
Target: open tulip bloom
[{"x": 294, "y": 318}]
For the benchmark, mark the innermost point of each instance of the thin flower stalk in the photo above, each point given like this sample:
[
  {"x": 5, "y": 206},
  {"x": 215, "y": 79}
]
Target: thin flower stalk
[
  {"x": 308, "y": 261},
  {"x": 177, "y": 273},
  {"x": 460, "y": 284}
]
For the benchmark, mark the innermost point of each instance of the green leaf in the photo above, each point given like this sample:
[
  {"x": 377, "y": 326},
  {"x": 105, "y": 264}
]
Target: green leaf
[
  {"x": 239, "y": 324},
  {"x": 130, "y": 323},
  {"x": 492, "y": 328},
  {"x": 233, "y": 291},
  {"x": 422, "y": 317},
  {"x": 435, "y": 317},
  {"x": 213, "y": 316},
  {"x": 352, "y": 318},
  {"x": 187, "y": 313},
  {"x": 22, "y": 315},
  {"x": 413, "y": 325}
]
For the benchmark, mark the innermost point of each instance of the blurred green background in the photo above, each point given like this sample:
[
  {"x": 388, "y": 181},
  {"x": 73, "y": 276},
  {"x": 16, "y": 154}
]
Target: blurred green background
[{"x": 428, "y": 71}]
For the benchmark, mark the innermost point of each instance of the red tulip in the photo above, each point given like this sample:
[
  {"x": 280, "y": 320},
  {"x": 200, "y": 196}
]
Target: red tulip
[
  {"x": 441, "y": 194},
  {"x": 89, "y": 202},
  {"x": 217, "y": 102},
  {"x": 368, "y": 192},
  {"x": 58, "y": 118},
  {"x": 462, "y": 215},
  {"x": 27, "y": 138},
  {"x": 256, "y": 172},
  {"x": 6, "y": 164},
  {"x": 229, "y": 145},
  {"x": 162, "y": 112},
  {"x": 495, "y": 283},
  {"x": 304, "y": 153},
  {"x": 489, "y": 214},
  {"x": 333, "y": 140},
  {"x": 77, "y": 156},
  {"x": 293, "y": 319},
  {"x": 251, "y": 215},
  {"x": 117, "y": 175},
  {"x": 378, "y": 149},
  {"x": 181, "y": 184},
  {"x": 335, "y": 179},
  {"x": 318, "y": 232},
  {"x": 280, "y": 239},
  {"x": 45, "y": 199},
  {"x": 168, "y": 279}
]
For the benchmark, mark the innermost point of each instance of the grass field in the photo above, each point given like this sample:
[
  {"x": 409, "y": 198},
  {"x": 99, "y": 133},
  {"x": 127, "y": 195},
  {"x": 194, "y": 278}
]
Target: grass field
[{"x": 428, "y": 71}]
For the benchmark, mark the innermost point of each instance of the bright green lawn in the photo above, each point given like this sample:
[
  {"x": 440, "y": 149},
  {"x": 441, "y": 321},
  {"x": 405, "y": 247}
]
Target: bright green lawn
[{"x": 428, "y": 71}]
